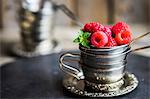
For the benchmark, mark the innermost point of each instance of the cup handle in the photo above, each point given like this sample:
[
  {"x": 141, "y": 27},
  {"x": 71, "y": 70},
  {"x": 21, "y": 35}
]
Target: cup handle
[{"x": 69, "y": 69}]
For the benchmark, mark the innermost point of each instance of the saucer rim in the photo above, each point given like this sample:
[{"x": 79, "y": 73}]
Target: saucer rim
[{"x": 121, "y": 91}]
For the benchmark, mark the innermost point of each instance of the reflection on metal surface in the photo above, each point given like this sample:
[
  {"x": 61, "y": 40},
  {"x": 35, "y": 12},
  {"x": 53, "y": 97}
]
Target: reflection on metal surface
[{"x": 105, "y": 87}]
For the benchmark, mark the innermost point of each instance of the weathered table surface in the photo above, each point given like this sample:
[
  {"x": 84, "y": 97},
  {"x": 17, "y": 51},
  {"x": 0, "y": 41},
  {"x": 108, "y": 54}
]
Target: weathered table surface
[{"x": 40, "y": 77}]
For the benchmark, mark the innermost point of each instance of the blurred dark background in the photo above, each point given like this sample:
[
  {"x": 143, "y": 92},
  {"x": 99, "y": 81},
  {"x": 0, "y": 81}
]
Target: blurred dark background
[{"x": 136, "y": 13}]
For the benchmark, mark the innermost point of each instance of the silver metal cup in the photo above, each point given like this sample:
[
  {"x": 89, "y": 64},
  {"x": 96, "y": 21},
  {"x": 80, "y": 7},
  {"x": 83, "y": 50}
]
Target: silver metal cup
[
  {"x": 98, "y": 67},
  {"x": 105, "y": 50},
  {"x": 95, "y": 59},
  {"x": 36, "y": 20}
]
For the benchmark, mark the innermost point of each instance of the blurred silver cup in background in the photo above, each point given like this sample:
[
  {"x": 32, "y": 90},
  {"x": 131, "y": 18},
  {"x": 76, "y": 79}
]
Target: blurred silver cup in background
[{"x": 36, "y": 21}]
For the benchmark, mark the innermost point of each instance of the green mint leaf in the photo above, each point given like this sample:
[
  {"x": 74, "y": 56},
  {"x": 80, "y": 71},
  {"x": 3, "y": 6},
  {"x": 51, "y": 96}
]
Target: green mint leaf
[
  {"x": 77, "y": 40},
  {"x": 83, "y": 39},
  {"x": 86, "y": 35},
  {"x": 85, "y": 44},
  {"x": 81, "y": 32}
]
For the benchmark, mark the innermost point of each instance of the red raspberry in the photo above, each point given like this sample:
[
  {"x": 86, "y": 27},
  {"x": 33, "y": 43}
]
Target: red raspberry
[
  {"x": 99, "y": 39},
  {"x": 111, "y": 42},
  {"x": 92, "y": 27},
  {"x": 107, "y": 31},
  {"x": 122, "y": 33},
  {"x": 120, "y": 27},
  {"x": 123, "y": 38},
  {"x": 109, "y": 26}
]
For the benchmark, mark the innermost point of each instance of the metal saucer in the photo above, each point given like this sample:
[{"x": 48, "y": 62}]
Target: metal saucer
[
  {"x": 78, "y": 87},
  {"x": 19, "y": 51}
]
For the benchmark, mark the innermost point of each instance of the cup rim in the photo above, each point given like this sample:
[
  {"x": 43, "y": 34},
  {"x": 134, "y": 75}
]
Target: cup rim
[{"x": 103, "y": 48}]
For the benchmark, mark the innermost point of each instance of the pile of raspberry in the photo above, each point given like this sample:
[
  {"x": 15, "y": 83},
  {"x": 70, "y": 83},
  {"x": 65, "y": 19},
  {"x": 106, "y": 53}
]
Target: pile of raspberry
[{"x": 108, "y": 36}]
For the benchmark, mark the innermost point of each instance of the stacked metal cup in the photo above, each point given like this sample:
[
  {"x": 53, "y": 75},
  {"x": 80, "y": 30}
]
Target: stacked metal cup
[
  {"x": 104, "y": 68},
  {"x": 36, "y": 24}
]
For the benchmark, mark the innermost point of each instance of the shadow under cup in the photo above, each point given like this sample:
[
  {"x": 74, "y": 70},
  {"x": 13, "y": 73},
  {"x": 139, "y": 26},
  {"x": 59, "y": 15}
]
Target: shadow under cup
[{"x": 99, "y": 67}]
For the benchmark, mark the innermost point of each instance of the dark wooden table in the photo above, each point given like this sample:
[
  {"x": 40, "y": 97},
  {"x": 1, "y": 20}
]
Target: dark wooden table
[{"x": 40, "y": 77}]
